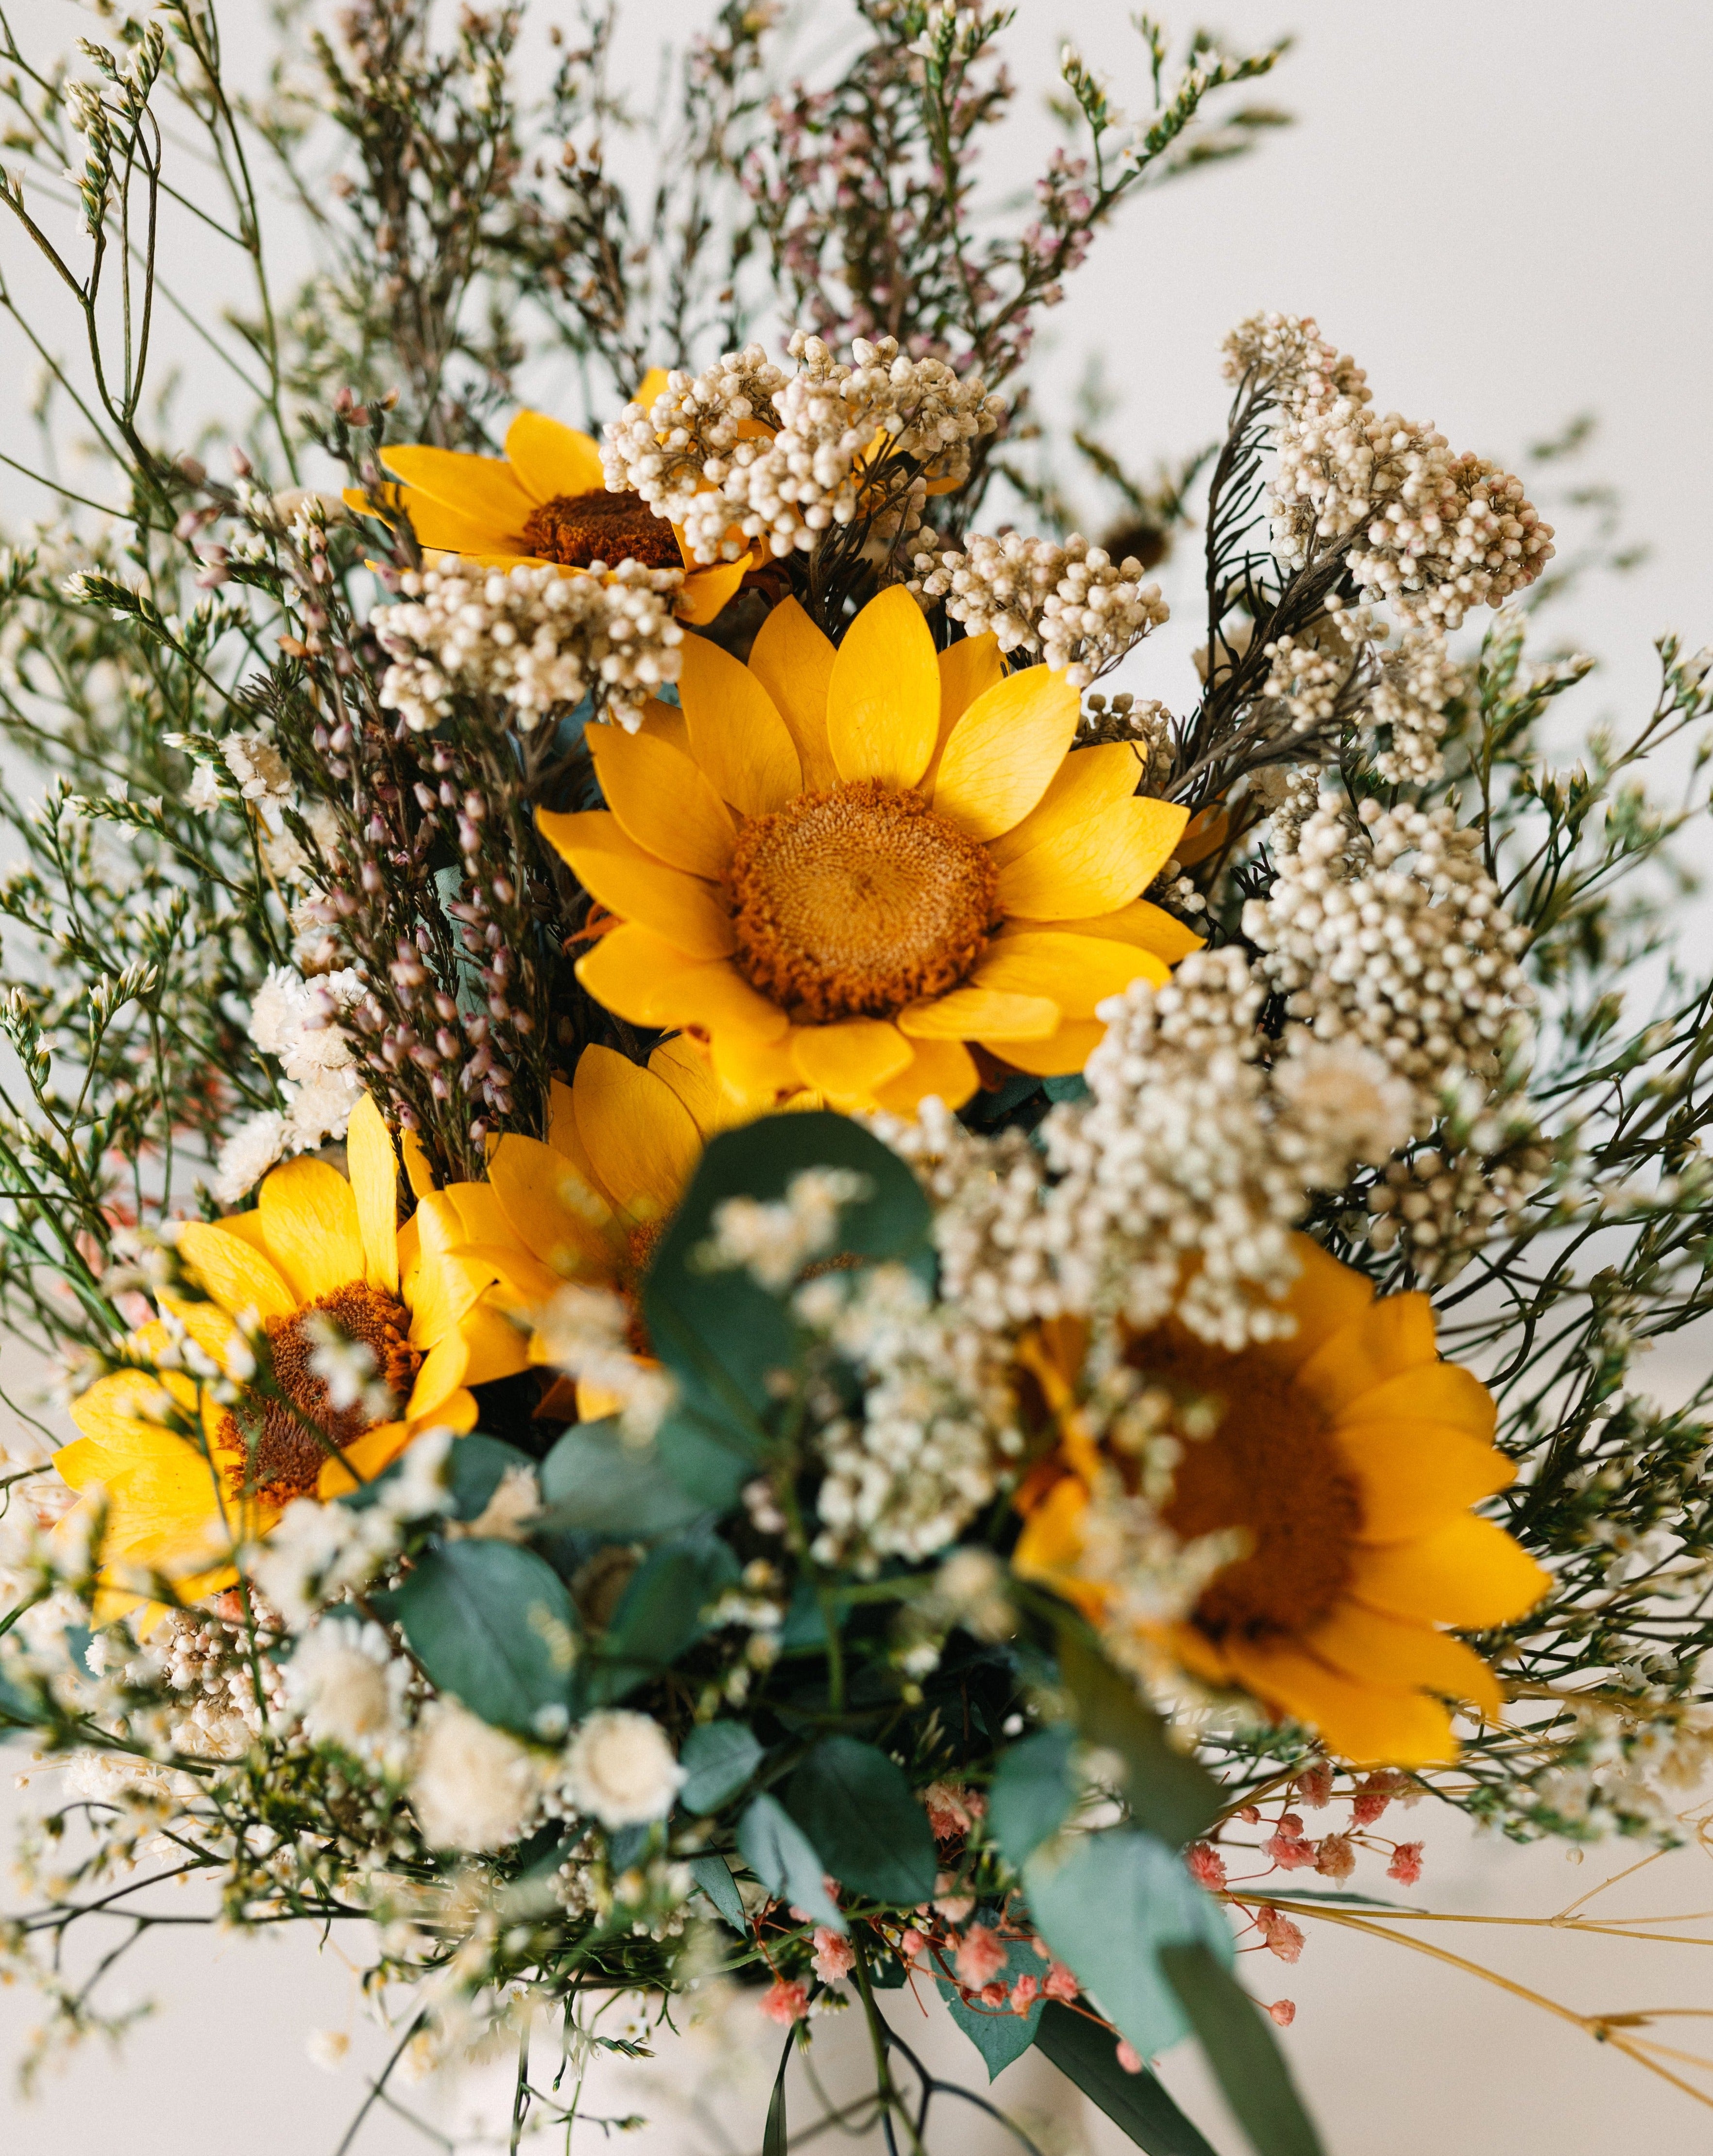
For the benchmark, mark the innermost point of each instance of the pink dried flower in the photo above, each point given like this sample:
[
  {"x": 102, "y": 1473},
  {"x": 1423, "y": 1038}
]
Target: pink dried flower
[
  {"x": 835, "y": 1956},
  {"x": 1290, "y": 1852},
  {"x": 1249, "y": 1813},
  {"x": 1406, "y": 1865},
  {"x": 1283, "y": 2012},
  {"x": 1206, "y": 1865},
  {"x": 785, "y": 2003},
  {"x": 980, "y": 1957},
  {"x": 1337, "y": 1858},
  {"x": 1314, "y": 1786},
  {"x": 1279, "y": 1935},
  {"x": 1369, "y": 1802},
  {"x": 993, "y": 1994},
  {"x": 911, "y": 1946},
  {"x": 1061, "y": 1983},
  {"x": 1129, "y": 2057},
  {"x": 951, "y": 1811},
  {"x": 1024, "y": 1993}
]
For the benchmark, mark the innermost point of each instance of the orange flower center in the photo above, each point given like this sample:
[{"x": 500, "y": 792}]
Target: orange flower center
[
  {"x": 277, "y": 1455},
  {"x": 578, "y": 529},
  {"x": 1271, "y": 1467},
  {"x": 856, "y": 903}
]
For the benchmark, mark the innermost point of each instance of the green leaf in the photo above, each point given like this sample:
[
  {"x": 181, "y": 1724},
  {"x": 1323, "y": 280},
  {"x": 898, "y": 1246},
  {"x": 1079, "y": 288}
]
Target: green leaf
[
  {"x": 718, "y": 1758},
  {"x": 1137, "y": 2104},
  {"x": 1169, "y": 1793},
  {"x": 777, "y": 1851},
  {"x": 493, "y": 1625},
  {"x": 776, "y": 2140},
  {"x": 997, "y": 2033},
  {"x": 707, "y": 1457},
  {"x": 1032, "y": 1793},
  {"x": 593, "y": 1483},
  {"x": 474, "y": 1469},
  {"x": 660, "y": 1613},
  {"x": 713, "y": 1875},
  {"x": 1242, "y": 2052},
  {"x": 856, "y": 1807},
  {"x": 1105, "y": 1904}
]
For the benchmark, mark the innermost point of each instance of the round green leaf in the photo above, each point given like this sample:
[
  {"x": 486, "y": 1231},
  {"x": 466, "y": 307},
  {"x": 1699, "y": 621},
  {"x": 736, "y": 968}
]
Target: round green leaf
[
  {"x": 855, "y": 1804},
  {"x": 493, "y": 1625}
]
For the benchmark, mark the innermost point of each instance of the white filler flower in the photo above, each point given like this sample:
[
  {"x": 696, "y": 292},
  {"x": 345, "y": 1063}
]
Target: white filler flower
[{"x": 620, "y": 1768}]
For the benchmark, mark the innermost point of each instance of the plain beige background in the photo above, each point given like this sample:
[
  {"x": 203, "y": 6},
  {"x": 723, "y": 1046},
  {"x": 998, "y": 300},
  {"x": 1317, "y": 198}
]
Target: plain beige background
[{"x": 1501, "y": 208}]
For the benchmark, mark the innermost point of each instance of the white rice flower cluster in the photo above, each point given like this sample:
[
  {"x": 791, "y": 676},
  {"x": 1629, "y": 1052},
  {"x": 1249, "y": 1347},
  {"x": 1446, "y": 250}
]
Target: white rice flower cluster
[
  {"x": 586, "y": 1331},
  {"x": 1307, "y": 674},
  {"x": 472, "y": 1787},
  {"x": 773, "y": 1241},
  {"x": 534, "y": 639},
  {"x": 297, "y": 1021},
  {"x": 938, "y": 1430},
  {"x": 1149, "y": 1576},
  {"x": 1417, "y": 962},
  {"x": 1418, "y": 680},
  {"x": 349, "y": 1689},
  {"x": 746, "y": 453},
  {"x": 620, "y": 1768},
  {"x": 1143, "y": 722},
  {"x": 1289, "y": 352},
  {"x": 213, "y": 1711},
  {"x": 1447, "y": 1201},
  {"x": 1072, "y": 606}
]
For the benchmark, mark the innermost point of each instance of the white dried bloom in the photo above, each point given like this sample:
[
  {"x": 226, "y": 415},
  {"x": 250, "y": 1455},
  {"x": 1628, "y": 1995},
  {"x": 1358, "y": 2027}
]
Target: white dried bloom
[
  {"x": 472, "y": 1787},
  {"x": 534, "y": 638},
  {"x": 258, "y": 767},
  {"x": 349, "y": 1689},
  {"x": 620, "y": 1769},
  {"x": 510, "y": 1512},
  {"x": 1344, "y": 1098},
  {"x": 202, "y": 794},
  {"x": 745, "y": 452},
  {"x": 1072, "y": 606},
  {"x": 1289, "y": 352},
  {"x": 585, "y": 1331},
  {"x": 1407, "y": 704},
  {"x": 297, "y": 1021},
  {"x": 318, "y": 1552},
  {"x": 773, "y": 1242},
  {"x": 248, "y": 1153}
]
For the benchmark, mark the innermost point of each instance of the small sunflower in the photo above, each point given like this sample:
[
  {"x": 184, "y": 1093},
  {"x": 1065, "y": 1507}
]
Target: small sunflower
[
  {"x": 1348, "y": 1455},
  {"x": 316, "y": 1249},
  {"x": 544, "y": 501},
  {"x": 840, "y": 868}
]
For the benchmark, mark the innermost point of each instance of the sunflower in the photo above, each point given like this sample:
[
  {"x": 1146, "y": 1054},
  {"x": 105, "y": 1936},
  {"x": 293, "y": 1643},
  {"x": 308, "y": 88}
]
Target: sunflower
[
  {"x": 1348, "y": 1455},
  {"x": 316, "y": 1249},
  {"x": 590, "y": 1203},
  {"x": 544, "y": 501},
  {"x": 841, "y": 867}
]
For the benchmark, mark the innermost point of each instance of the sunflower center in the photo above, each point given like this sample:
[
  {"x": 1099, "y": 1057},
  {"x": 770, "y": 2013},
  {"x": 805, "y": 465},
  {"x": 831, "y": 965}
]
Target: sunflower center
[
  {"x": 280, "y": 1456},
  {"x": 855, "y": 902},
  {"x": 576, "y": 529},
  {"x": 1271, "y": 1467}
]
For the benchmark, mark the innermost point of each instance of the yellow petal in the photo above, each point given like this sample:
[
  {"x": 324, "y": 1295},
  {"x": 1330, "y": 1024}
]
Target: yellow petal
[
  {"x": 554, "y": 1214},
  {"x": 496, "y": 1348},
  {"x": 968, "y": 669},
  {"x": 1469, "y": 1573},
  {"x": 1058, "y": 1056},
  {"x": 663, "y": 801},
  {"x": 309, "y": 1218},
  {"x": 682, "y": 1064},
  {"x": 757, "y": 1072},
  {"x": 792, "y": 660},
  {"x": 522, "y": 1282},
  {"x": 237, "y": 1275},
  {"x": 418, "y": 1169},
  {"x": 1078, "y": 973},
  {"x": 1139, "y": 923},
  {"x": 637, "y": 1133},
  {"x": 1415, "y": 1474},
  {"x": 561, "y": 1126},
  {"x": 449, "y": 537},
  {"x": 1087, "y": 782},
  {"x": 651, "y": 982},
  {"x": 684, "y": 911},
  {"x": 974, "y": 1014},
  {"x": 1369, "y": 1727},
  {"x": 484, "y": 489},
  {"x": 1441, "y": 1392},
  {"x": 847, "y": 1061},
  {"x": 945, "y": 1069},
  {"x": 1324, "y": 1298},
  {"x": 703, "y": 592},
  {"x": 654, "y": 385},
  {"x": 552, "y": 459},
  {"x": 1005, "y": 751},
  {"x": 883, "y": 706},
  {"x": 1390, "y": 1337},
  {"x": 374, "y": 1184},
  {"x": 666, "y": 722},
  {"x": 207, "y": 1323},
  {"x": 1094, "y": 866},
  {"x": 1386, "y": 1651},
  {"x": 735, "y": 735}
]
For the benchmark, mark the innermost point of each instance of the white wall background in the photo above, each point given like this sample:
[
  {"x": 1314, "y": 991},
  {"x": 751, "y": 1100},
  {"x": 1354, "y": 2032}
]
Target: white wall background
[{"x": 1501, "y": 206}]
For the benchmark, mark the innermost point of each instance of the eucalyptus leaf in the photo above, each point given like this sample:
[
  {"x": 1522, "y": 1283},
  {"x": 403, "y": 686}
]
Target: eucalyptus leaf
[
  {"x": 782, "y": 1858},
  {"x": 660, "y": 1613},
  {"x": 855, "y": 1805},
  {"x": 713, "y": 1875},
  {"x": 1032, "y": 1793},
  {"x": 1137, "y": 2104},
  {"x": 1169, "y": 1793},
  {"x": 718, "y": 1757},
  {"x": 997, "y": 2033},
  {"x": 594, "y": 1483},
  {"x": 1242, "y": 2052},
  {"x": 475, "y": 1466},
  {"x": 493, "y": 1625}
]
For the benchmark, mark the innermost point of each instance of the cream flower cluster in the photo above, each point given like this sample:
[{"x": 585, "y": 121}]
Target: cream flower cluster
[
  {"x": 748, "y": 453},
  {"x": 1071, "y": 606},
  {"x": 1288, "y": 355},
  {"x": 534, "y": 638},
  {"x": 296, "y": 1021},
  {"x": 1419, "y": 962},
  {"x": 1419, "y": 679}
]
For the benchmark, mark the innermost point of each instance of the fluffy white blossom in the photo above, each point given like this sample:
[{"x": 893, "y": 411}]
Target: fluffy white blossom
[
  {"x": 620, "y": 1768},
  {"x": 1071, "y": 606},
  {"x": 203, "y": 793},
  {"x": 773, "y": 1241},
  {"x": 472, "y": 1787},
  {"x": 296, "y": 1021},
  {"x": 586, "y": 1332},
  {"x": 349, "y": 1688}
]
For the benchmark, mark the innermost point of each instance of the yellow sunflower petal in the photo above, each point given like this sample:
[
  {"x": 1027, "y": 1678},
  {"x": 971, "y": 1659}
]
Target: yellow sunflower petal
[
  {"x": 967, "y": 670},
  {"x": 637, "y": 1133},
  {"x": 1363, "y": 1723},
  {"x": 207, "y": 1323},
  {"x": 883, "y": 707},
  {"x": 663, "y": 801},
  {"x": 118, "y": 1416},
  {"x": 847, "y": 1060},
  {"x": 666, "y": 722},
  {"x": 945, "y": 1069},
  {"x": 310, "y": 1218},
  {"x": 448, "y": 536},
  {"x": 1087, "y": 782},
  {"x": 1378, "y": 1649},
  {"x": 1413, "y": 1474},
  {"x": 757, "y": 1071},
  {"x": 418, "y": 1169},
  {"x": 1051, "y": 1544},
  {"x": 703, "y": 592},
  {"x": 743, "y": 745},
  {"x": 682, "y": 1064},
  {"x": 1441, "y": 1392},
  {"x": 792, "y": 660},
  {"x": 1095, "y": 866},
  {"x": 551, "y": 458},
  {"x": 447, "y": 1280},
  {"x": 1390, "y": 1337},
  {"x": 496, "y": 1348},
  {"x": 674, "y": 990},
  {"x": 1469, "y": 1573},
  {"x": 1058, "y": 1056},
  {"x": 484, "y": 489},
  {"x": 1139, "y": 923},
  {"x": 1005, "y": 751},
  {"x": 237, "y": 1275},
  {"x": 1078, "y": 973},
  {"x": 974, "y": 1014},
  {"x": 682, "y": 909},
  {"x": 554, "y": 1214},
  {"x": 374, "y": 1184},
  {"x": 1324, "y": 1298}
]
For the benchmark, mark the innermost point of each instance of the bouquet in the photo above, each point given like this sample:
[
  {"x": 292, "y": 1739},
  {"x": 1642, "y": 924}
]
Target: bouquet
[{"x": 743, "y": 1292}]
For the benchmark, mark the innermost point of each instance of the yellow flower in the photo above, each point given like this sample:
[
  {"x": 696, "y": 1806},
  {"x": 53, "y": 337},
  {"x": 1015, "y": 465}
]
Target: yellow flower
[
  {"x": 544, "y": 501},
  {"x": 591, "y": 1202},
  {"x": 840, "y": 867},
  {"x": 316, "y": 1248},
  {"x": 1349, "y": 1456}
]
